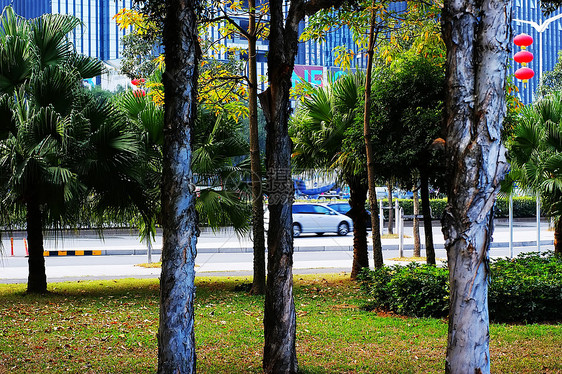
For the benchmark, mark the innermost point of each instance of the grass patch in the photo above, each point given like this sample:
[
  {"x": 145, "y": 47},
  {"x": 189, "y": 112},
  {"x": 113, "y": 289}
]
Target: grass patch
[
  {"x": 111, "y": 326},
  {"x": 413, "y": 259},
  {"x": 394, "y": 236},
  {"x": 152, "y": 265}
]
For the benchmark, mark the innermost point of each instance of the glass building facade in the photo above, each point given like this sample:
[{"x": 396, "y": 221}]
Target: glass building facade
[
  {"x": 100, "y": 37},
  {"x": 530, "y": 11}
]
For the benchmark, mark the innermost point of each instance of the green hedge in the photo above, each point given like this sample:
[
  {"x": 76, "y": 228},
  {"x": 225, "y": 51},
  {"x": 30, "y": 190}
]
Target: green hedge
[
  {"x": 525, "y": 289},
  {"x": 523, "y": 207}
]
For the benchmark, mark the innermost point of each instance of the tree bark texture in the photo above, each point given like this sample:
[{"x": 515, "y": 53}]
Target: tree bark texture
[
  {"x": 416, "y": 224},
  {"x": 37, "y": 278},
  {"x": 373, "y": 205},
  {"x": 427, "y": 225},
  {"x": 279, "y": 315},
  {"x": 258, "y": 283},
  {"x": 176, "y": 339},
  {"x": 477, "y": 35},
  {"x": 390, "y": 208},
  {"x": 358, "y": 213}
]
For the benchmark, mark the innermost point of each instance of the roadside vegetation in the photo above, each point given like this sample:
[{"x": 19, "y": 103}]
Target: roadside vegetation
[{"x": 111, "y": 326}]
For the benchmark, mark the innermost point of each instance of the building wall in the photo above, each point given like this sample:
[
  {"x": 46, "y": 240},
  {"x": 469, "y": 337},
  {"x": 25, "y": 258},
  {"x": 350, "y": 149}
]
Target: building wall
[
  {"x": 529, "y": 10},
  {"x": 28, "y": 9},
  {"x": 100, "y": 37}
]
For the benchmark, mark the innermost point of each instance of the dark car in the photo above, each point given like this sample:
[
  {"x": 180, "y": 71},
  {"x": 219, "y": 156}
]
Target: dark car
[{"x": 344, "y": 208}]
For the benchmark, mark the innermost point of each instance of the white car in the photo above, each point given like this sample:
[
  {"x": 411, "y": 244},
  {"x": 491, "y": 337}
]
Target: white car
[{"x": 316, "y": 218}]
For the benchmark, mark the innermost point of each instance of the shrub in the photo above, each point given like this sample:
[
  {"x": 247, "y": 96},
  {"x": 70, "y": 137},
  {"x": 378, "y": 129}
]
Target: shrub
[
  {"x": 413, "y": 290},
  {"x": 523, "y": 206},
  {"x": 525, "y": 289}
]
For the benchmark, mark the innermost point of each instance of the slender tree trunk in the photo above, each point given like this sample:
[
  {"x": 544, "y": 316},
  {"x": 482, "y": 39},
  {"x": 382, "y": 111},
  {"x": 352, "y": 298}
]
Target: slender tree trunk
[
  {"x": 477, "y": 35},
  {"x": 258, "y": 283},
  {"x": 176, "y": 338},
  {"x": 279, "y": 317},
  {"x": 373, "y": 205},
  {"x": 427, "y": 226},
  {"x": 37, "y": 278},
  {"x": 391, "y": 208},
  {"x": 558, "y": 237},
  {"x": 280, "y": 320},
  {"x": 358, "y": 213},
  {"x": 416, "y": 224}
]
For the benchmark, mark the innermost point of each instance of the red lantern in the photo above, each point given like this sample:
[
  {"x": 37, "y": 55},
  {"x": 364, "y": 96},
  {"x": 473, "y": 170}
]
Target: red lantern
[
  {"x": 139, "y": 93},
  {"x": 523, "y": 57},
  {"x": 523, "y": 40},
  {"x": 524, "y": 74}
]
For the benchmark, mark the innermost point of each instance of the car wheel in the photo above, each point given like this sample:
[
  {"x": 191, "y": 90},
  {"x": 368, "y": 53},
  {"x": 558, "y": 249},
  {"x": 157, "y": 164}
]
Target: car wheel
[
  {"x": 343, "y": 229},
  {"x": 297, "y": 230}
]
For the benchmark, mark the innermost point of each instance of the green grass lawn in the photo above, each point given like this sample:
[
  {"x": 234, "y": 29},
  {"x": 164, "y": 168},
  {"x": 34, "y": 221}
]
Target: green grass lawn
[{"x": 111, "y": 326}]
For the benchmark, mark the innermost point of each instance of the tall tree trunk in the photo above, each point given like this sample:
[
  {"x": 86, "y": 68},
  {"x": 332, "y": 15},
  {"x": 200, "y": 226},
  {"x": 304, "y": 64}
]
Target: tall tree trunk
[
  {"x": 390, "y": 208},
  {"x": 37, "y": 278},
  {"x": 477, "y": 35},
  {"x": 373, "y": 205},
  {"x": 258, "y": 283},
  {"x": 426, "y": 211},
  {"x": 176, "y": 339},
  {"x": 358, "y": 213},
  {"x": 558, "y": 237},
  {"x": 279, "y": 316},
  {"x": 280, "y": 321},
  {"x": 416, "y": 224}
]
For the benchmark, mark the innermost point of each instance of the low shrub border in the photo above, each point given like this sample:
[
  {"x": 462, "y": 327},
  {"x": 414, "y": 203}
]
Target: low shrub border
[
  {"x": 526, "y": 289},
  {"x": 523, "y": 207}
]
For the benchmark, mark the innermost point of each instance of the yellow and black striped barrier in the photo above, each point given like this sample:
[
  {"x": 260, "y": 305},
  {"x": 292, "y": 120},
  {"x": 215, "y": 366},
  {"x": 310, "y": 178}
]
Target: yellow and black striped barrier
[{"x": 71, "y": 253}]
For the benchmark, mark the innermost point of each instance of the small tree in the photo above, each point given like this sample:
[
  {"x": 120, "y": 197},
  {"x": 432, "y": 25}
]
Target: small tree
[
  {"x": 318, "y": 130},
  {"x": 536, "y": 156},
  {"x": 407, "y": 118},
  {"x": 60, "y": 149}
]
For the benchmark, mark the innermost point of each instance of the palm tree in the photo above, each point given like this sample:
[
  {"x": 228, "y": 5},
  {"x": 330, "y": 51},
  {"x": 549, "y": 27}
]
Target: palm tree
[
  {"x": 318, "y": 130},
  {"x": 536, "y": 156},
  {"x": 219, "y": 160},
  {"x": 60, "y": 149}
]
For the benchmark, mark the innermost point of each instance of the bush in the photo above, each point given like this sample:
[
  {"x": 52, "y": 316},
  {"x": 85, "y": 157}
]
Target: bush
[
  {"x": 523, "y": 206},
  {"x": 413, "y": 290},
  {"x": 525, "y": 289},
  {"x": 437, "y": 207}
]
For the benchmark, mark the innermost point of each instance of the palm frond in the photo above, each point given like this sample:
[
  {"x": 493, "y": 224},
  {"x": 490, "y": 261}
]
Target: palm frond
[
  {"x": 86, "y": 66},
  {"x": 50, "y": 36},
  {"x": 16, "y": 62},
  {"x": 55, "y": 85}
]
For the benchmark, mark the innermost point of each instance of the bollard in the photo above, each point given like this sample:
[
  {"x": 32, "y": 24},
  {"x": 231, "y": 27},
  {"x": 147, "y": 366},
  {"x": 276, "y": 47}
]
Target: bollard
[
  {"x": 381, "y": 218},
  {"x": 400, "y": 229},
  {"x": 12, "y": 245},
  {"x": 25, "y": 245}
]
